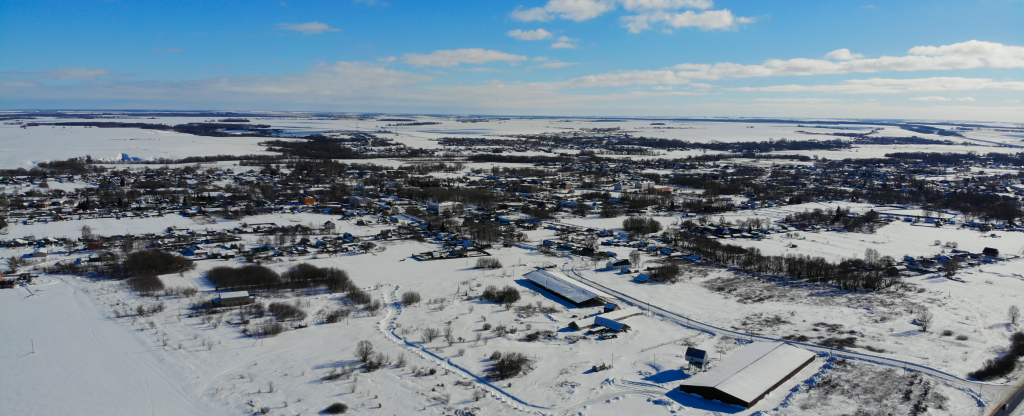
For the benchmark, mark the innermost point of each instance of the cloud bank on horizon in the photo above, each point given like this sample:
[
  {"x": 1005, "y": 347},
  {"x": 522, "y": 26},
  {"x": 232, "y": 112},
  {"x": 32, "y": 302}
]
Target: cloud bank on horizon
[{"x": 560, "y": 57}]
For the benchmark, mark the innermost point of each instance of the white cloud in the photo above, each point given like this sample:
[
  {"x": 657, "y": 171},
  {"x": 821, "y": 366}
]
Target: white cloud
[
  {"x": 896, "y": 86},
  {"x": 308, "y": 28},
  {"x": 965, "y": 55},
  {"x": 536, "y": 34},
  {"x": 557, "y": 64},
  {"x": 564, "y": 42},
  {"x": 459, "y": 56},
  {"x": 706, "y": 20},
  {"x": 939, "y": 98},
  {"x": 799, "y": 100},
  {"x": 578, "y": 10},
  {"x": 388, "y": 59},
  {"x": 649, "y": 13},
  {"x": 628, "y": 78},
  {"x": 843, "y": 55},
  {"x": 641, "y": 5},
  {"x": 74, "y": 73}
]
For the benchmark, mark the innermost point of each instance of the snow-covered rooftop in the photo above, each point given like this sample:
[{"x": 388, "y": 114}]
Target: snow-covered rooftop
[
  {"x": 753, "y": 370},
  {"x": 564, "y": 286}
]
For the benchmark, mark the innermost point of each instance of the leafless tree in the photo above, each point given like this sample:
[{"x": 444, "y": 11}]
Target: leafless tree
[
  {"x": 1013, "y": 314},
  {"x": 449, "y": 337},
  {"x": 924, "y": 318},
  {"x": 429, "y": 334},
  {"x": 364, "y": 351}
]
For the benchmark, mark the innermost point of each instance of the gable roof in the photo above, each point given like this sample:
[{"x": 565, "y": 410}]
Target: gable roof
[{"x": 564, "y": 286}]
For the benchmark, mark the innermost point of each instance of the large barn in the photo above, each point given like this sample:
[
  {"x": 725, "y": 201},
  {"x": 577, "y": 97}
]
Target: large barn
[
  {"x": 747, "y": 375},
  {"x": 566, "y": 288}
]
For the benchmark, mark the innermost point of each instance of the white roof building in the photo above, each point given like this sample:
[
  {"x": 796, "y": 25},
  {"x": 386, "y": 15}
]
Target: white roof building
[
  {"x": 565, "y": 287},
  {"x": 749, "y": 374}
]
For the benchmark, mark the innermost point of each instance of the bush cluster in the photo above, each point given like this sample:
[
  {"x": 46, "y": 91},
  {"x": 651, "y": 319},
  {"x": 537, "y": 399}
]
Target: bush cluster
[
  {"x": 283, "y": 311},
  {"x": 506, "y": 295},
  {"x": 249, "y": 276},
  {"x": 300, "y": 277},
  {"x": 507, "y": 365},
  {"x": 154, "y": 262},
  {"x": 488, "y": 263},
  {"x": 146, "y": 286},
  {"x": 1004, "y": 365},
  {"x": 641, "y": 225}
]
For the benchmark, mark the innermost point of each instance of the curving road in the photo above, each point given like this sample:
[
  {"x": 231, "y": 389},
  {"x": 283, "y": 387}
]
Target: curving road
[{"x": 1011, "y": 395}]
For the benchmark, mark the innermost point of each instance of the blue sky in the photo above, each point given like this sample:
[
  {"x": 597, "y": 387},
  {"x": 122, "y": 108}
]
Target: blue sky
[{"x": 896, "y": 59}]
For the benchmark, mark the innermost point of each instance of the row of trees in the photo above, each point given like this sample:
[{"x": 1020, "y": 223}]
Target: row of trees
[
  {"x": 852, "y": 274},
  {"x": 301, "y": 276}
]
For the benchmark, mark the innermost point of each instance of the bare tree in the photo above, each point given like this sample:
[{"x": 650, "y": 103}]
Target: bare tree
[
  {"x": 364, "y": 351},
  {"x": 448, "y": 335},
  {"x": 1013, "y": 314},
  {"x": 86, "y": 232},
  {"x": 924, "y": 318},
  {"x": 428, "y": 334}
]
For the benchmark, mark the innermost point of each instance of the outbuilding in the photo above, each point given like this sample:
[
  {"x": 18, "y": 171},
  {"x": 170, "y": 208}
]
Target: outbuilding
[{"x": 238, "y": 298}]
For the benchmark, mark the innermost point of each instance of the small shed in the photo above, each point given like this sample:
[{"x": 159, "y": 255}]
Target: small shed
[
  {"x": 238, "y": 298},
  {"x": 609, "y": 307},
  {"x": 610, "y": 324},
  {"x": 989, "y": 251}
]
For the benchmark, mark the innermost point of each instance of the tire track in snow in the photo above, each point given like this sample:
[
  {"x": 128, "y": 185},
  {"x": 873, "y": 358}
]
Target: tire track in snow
[
  {"x": 973, "y": 388},
  {"x": 387, "y": 326}
]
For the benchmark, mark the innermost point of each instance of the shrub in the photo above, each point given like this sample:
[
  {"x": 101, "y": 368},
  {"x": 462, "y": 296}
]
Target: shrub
[
  {"x": 268, "y": 329},
  {"x": 947, "y": 333},
  {"x": 359, "y": 296},
  {"x": 1004, "y": 365},
  {"x": 488, "y": 263},
  {"x": 668, "y": 273},
  {"x": 410, "y": 298},
  {"x": 509, "y": 365},
  {"x": 146, "y": 286},
  {"x": 495, "y": 356},
  {"x": 506, "y": 295},
  {"x": 283, "y": 311},
  {"x": 487, "y": 327},
  {"x": 336, "y": 409},
  {"x": 374, "y": 307},
  {"x": 364, "y": 351},
  {"x": 334, "y": 315},
  {"x": 154, "y": 262},
  {"x": 961, "y": 337}
]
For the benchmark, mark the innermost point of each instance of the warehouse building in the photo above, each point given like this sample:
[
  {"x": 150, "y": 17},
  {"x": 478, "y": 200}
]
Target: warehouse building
[{"x": 747, "y": 375}]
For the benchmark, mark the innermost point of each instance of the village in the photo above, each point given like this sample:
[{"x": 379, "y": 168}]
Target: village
[{"x": 548, "y": 276}]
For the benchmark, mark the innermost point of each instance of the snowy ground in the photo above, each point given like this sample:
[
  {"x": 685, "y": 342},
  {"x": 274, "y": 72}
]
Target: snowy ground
[{"x": 210, "y": 362}]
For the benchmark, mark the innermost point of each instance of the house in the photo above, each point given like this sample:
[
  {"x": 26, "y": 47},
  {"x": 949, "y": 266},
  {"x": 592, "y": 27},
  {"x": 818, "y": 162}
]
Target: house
[
  {"x": 697, "y": 357},
  {"x": 610, "y": 307},
  {"x": 642, "y": 278},
  {"x": 238, "y": 298},
  {"x": 40, "y": 252},
  {"x": 329, "y": 226},
  {"x": 747, "y": 375},
  {"x": 618, "y": 264}
]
